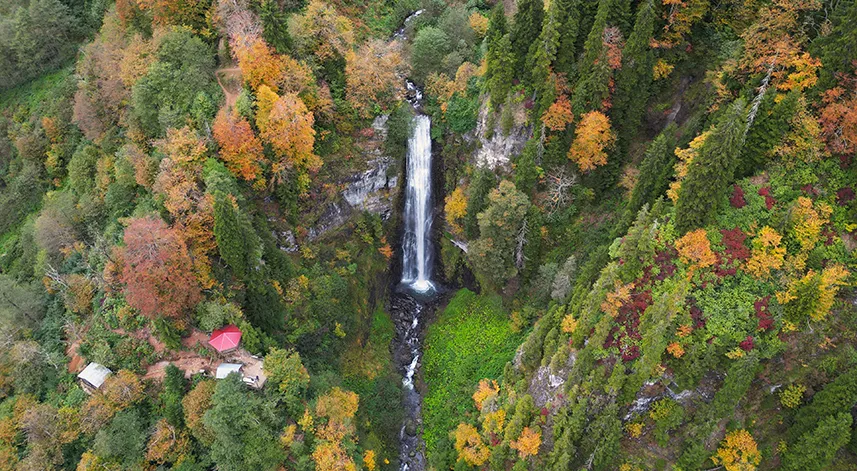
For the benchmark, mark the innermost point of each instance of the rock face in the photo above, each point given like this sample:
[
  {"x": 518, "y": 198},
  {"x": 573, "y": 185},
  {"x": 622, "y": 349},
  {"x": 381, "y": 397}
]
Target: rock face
[
  {"x": 369, "y": 190},
  {"x": 497, "y": 151}
]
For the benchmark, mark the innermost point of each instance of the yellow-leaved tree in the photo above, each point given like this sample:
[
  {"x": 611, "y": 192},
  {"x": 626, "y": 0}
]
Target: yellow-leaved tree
[
  {"x": 591, "y": 139},
  {"x": 738, "y": 452},
  {"x": 767, "y": 254},
  {"x": 529, "y": 442},
  {"x": 470, "y": 446}
]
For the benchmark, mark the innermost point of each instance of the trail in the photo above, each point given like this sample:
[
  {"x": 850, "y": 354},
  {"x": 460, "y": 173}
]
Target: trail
[{"x": 231, "y": 95}]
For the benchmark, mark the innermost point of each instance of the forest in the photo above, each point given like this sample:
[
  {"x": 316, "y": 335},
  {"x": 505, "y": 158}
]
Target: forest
[{"x": 635, "y": 223}]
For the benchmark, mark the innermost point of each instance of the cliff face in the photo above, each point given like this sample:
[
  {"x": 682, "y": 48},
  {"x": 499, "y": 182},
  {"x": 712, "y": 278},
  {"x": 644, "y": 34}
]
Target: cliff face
[
  {"x": 371, "y": 189},
  {"x": 496, "y": 148}
]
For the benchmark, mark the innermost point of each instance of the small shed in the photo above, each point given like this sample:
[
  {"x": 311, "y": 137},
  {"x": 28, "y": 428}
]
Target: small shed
[
  {"x": 224, "y": 369},
  {"x": 93, "y": 376}
]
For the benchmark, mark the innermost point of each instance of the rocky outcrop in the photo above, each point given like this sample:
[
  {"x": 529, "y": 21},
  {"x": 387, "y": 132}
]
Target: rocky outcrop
[
  {"x": 369, "y": 190},
  {"x": 497, "y": 152}
]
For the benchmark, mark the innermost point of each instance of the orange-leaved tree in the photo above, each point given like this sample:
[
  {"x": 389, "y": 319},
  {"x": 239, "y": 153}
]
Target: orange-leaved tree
[
  {"x": 694, "y": 249},
  {"x": 372, "y": 75},
  {"x": 558, "y": 115},
  {"x": 591, "y": 139},
  {"x": 286, "y": 124},
  {"x": 529, "y": 442},
  {"x": 239, "y": 146},
  {"x": 157, "y": 270}
]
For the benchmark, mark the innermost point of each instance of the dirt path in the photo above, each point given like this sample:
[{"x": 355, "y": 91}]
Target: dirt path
[{"x": 231, "y": 76}]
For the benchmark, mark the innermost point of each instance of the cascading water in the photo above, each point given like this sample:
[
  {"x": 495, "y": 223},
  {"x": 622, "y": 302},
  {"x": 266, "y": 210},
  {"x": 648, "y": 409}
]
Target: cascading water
[
  {"x": 416, "y": 287},
  {"x": 416, "y": 245}
]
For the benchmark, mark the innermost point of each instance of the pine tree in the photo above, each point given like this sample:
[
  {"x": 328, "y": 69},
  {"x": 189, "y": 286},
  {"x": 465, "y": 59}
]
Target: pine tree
[
  {"x": 655, "y": 171},
  {"x": 838, "y": 49},
  {"x": 569, "y": 30},
  {"x": 816, "y": 449},
  {"x": 237, "y": 242},
  {"x": 621, "y": 14},
  {"x": 634, "y": 80},
  {"x": 525, "y": 31},
  {"x": 771, "y": 124},
  {"x": 541, "y": 57},
  {"x": 711, "y": 171},
  {"x": 502, "y": 64},
  {"x": 592, "y": 87}
]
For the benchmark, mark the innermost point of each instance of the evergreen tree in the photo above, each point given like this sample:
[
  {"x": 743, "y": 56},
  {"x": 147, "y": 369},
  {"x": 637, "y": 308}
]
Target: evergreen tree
[
  {"x": 525, "y": 30},
  {"x": 771, "y": 124},
  {"x": 655, "y": 171},
  {"x": 496, "y": 28},
  {"x": 172, "y": 395},
  {"x": 243, "y": 436},
  {"x": 541, "y": 57},
  {"x": 502, "y": 65},
  {"x": 815, "y": 449},
  {"x": 711, "y": 171},
  {"x": 593, "y": 84},
  {"x": 569, "y": 31},
  {"x": 481, "y": 183},
  {"x": 621, "y": 14},
  {"x": 838, "y": 49},
  {"x": 634, "y": 79},
  {"x": 238, "y": 244}
]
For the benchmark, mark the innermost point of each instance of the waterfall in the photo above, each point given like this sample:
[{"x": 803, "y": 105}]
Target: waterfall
[
  {"x": 416, "y": 243},
  {"x": 407, "y": 304}
]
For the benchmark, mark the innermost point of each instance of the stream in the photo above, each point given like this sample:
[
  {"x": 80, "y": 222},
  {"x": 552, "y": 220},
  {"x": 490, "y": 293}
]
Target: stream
[{"x": 415, "y": 292}]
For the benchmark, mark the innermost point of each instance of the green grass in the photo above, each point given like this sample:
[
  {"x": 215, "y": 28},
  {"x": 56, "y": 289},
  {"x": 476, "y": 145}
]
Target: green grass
[
  {"x": 471, "y": 339},
  {"x": 36, "y": 91}
]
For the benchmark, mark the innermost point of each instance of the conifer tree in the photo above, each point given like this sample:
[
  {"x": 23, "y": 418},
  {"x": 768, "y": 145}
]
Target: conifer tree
[
  {"x": 711, "y": 170},
  {"x": 569, "y": 30},
  {"x": 541, "y": 57},
  {"x": 525, "y": 31},
  {"x": 237, "y": 242},
  {"x": 592, "y": 87},
  {"x": 655, "y": 171},
  {"x": 496, "y": 29},
  {"x": 838, "y": 49},
  {"x": 816, "y": 449},
  {"x": 634, "y": 80},
  {"x": 502, "y": 64},
  {"x": 771, "y": 124}
]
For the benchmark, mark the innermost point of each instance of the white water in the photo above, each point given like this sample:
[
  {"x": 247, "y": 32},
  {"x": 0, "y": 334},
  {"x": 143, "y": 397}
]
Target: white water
[{"x": 416, "y": 263}]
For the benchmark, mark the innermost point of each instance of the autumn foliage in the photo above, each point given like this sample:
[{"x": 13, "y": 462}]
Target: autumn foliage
[
  {"x": 528, "y": 443},
  {"x": 372, "y": 75},
  {"x": 592, "y": 137},
  {"x": 470, "y": 446},
  {"x": 287, "y": 124},
  {"x": 738, "y": 452},
  {"x": 239, "y": 146},
  {"x": 157, "y": 271},
  {"x": 558, "y": 115},
  {"x": 694, "y": 249}
]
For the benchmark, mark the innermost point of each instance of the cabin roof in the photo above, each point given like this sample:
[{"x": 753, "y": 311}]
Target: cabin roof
[
  {"x": 224, "y": 369},
  {"x": 95, "y": 374}
]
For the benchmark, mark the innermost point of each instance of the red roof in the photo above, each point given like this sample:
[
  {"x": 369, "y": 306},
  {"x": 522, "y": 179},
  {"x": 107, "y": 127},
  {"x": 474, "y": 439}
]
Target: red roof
[{"x": 225, "y": 338}]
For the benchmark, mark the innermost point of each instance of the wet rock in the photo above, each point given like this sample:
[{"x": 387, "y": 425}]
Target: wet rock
[{"x": 411, "y": 428}]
